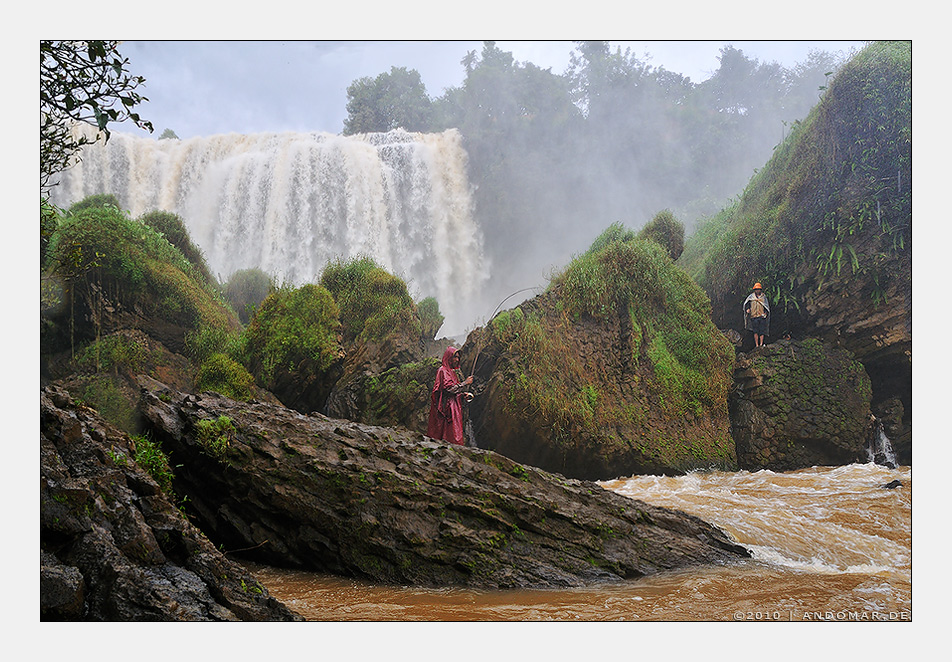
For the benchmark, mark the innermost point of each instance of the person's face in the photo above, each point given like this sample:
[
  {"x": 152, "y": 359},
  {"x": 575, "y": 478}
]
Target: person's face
[
  {"x": 758, "y": 291},
  {"x": 455, "y": 360}
]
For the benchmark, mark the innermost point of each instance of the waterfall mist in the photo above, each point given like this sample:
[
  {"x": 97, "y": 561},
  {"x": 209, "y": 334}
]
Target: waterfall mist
[{"x": 289, "y": 203}]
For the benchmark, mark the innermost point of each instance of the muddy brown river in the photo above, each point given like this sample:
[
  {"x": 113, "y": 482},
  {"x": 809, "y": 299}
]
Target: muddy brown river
[{"x": 828, "y": 544}]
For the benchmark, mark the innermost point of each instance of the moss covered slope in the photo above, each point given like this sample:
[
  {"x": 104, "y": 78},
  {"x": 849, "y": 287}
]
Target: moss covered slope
[
  {"x": 826, "y": 225},
  {"x": 616, "y": 369}
]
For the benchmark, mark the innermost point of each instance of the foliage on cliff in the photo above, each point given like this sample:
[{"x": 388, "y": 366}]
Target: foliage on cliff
[
  {"x": 294, "y": 331},
  {"x": 172, "y": 227},
  {"x": 834, "y": 203},
  {"x": 666, "y": 230},
  {"x": 431, "y": 318},
  {"x": 620, "y": 355},
  {"x": 108, "y": 257},
  {"x": 246, "y": 289},
  {"x": 373, "y": 302},
  {"x": 669, "y": 315}
]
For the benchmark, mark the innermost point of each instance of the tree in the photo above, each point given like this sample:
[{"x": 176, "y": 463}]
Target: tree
[
  {"x": 81, "y": 81},
  {"x": 397, "y": 99},
  {"x": 516, "y": 120},
  {"x": 168, "y": 134}
]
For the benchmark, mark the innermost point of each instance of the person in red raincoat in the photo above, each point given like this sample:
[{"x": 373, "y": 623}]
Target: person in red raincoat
[{"x": 446, "y": 400}]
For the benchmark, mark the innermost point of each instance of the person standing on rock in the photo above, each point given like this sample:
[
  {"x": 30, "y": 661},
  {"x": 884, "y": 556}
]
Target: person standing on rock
[
  {"x": 757, "y": 314},
  {"x": 446, "y": 400}
]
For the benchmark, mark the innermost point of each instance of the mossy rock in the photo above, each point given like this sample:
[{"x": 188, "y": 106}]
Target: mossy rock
[
  {"x": 800, "y": 404},
  {"x": 616, "y": 369},
  {"x": 826, "y": 225},
  {"x": 292, "y": 346},
  {"x": 117, "y": 272}
]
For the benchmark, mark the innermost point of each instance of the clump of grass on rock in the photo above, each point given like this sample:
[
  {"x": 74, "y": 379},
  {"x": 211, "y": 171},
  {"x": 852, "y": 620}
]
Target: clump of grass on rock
[{"x": 373, "y": 302}]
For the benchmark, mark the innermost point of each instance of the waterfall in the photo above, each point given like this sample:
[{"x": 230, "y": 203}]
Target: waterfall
[
  {"x": 879, "y": 449},
  {"x": 288, "y": 203}
]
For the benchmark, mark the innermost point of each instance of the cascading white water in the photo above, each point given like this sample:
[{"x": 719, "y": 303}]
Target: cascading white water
[
  {"x": 289, "y": 203},
  {"x": 879, "y": 449}
]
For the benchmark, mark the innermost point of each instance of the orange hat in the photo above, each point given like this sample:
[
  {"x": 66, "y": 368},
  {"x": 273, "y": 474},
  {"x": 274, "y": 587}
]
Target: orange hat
[{"x": 758, "y": 286}]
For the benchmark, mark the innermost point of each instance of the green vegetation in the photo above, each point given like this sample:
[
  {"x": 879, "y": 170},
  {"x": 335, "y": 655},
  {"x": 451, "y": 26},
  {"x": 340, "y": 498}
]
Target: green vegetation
[
  {"x": 132, "y": 264},
  {"x": 373, "y": 303},
  {"x": 430, "y": 317},
  {"x": 834, "y": 202},
  {"x": 245, "y": 291},
  {"x": 49, "y": 219},
  {"x": 667, "y": 231},
  {"x": 214, "y": 436},
  {"x": 201, "y": 343},
  {"x": 150, "y": 457},
  {"x": 172, "y": 227},
  {"x": 392, "y": 100},
  {"x": 294, "y": 330},
  {"x": 94, "y": 201},
  {"x": 112, "y": 353},
  {"x": 102, "y": 392},
  {"x": 224, "y": 375},
  {"x": 681, "y": 362},
  {"x": 670, "y": 319}
]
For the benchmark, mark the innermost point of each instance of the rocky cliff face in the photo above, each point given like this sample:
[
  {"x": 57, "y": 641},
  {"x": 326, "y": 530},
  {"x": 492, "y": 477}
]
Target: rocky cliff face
[
  {"x": 826, "y": 225},
  {"x": 394, "y": 506},
  {"x": 798, "y": 404},
  {"x": 112, "y": 545}
]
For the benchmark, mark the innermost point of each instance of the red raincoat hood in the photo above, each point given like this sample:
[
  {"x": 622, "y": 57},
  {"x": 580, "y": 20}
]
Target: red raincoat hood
[{"x": 448, "y": 357}]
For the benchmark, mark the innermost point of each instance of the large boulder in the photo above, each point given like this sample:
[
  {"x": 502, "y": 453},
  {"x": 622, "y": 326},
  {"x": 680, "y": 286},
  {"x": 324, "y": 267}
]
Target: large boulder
[
  {"x": 393, "y": 506},
  {"x": 385, "y": 337},
  {"x": 113, "y": 546},
  {"x": 616, "y": 369},
  {"x": 799, "y": 404}
]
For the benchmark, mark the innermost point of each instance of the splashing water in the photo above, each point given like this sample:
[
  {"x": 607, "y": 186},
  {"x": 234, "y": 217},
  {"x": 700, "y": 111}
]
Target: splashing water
[
  {"x": 880, "y": 450},
  {"x": 288, "y": 203},
  {"x": 823, "y": 520},
  {"x": 828, "y": 543}
]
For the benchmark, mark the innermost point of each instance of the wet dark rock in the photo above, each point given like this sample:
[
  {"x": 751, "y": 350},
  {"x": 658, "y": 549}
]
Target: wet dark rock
[
  {"x": 897, "y": 426},
  {"x": 62, "y": 590},
  {"x": 837, "y": 261},
  {"x": 799, "y": 404},
  {"x": 893, "y": 484},
  {"x": 394, "y": 506},
  {"x": 113, "y": 545},
  {"x": 350, "y": 396}
]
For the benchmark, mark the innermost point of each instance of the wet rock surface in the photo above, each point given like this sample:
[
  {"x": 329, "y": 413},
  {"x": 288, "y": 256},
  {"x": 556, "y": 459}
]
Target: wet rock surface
[
  {"x": 390, "y": 505},
  {"x": 798, "y": 404},
  {"x": 113, "y": 547}
]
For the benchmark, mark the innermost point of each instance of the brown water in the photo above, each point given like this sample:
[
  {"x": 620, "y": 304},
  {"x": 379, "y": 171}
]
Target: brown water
[{"x": 828, "y": 543}]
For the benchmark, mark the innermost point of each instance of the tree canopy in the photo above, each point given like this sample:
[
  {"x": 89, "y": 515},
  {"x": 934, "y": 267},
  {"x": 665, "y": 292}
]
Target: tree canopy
[
  {"x": 554, "y": 157},
  {"x": 82, "y": 81},
  {"x": 394, "y": 100}
]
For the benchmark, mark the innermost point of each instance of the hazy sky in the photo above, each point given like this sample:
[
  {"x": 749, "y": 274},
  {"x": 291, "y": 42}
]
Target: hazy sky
[{"x": 209, "y": 87}]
